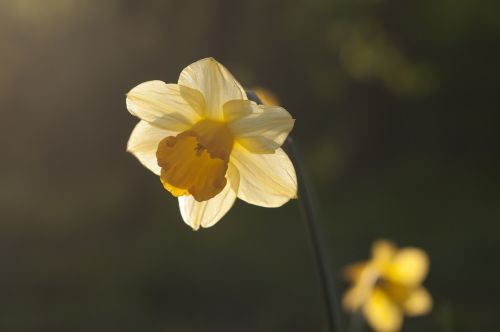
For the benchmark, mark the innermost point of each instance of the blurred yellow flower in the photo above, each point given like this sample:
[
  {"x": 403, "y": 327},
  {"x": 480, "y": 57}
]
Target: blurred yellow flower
[
  {"x": 388, "y": 286},
  {"x": 210, "y": 144},
  {"x": 266, "y": 96}
]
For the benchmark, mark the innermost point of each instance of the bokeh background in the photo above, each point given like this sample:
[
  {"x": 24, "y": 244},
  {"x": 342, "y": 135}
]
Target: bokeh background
[{"x": 397, "y": 121}]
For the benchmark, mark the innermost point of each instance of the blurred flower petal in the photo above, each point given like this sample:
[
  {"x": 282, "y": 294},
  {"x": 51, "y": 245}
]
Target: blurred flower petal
[
  {"x": 267, "y": 97},
  {"x": 353, "y": 272},
  {"x": 383, "y": 251},
  {"x": 382, "y": 314},
  {"x": 419, "y": 302},
  {"x": 409, "y": 267}
]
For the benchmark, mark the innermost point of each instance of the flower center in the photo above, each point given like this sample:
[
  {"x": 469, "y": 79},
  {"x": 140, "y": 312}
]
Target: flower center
[
  {"x": 195, "y": 161},
  {"x": 396, "y": 291}
]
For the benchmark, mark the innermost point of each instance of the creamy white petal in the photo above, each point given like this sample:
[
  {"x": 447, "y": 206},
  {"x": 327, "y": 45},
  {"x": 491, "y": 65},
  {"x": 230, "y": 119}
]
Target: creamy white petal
[
  {"x": 207, "y": 213},
  {"x": 169, "y": 106},
  {"x": 266, "y": 180},
  {"x": 237, "y": 108},
  {"x": 143, "y": 143},
  {"x": 216, "y": 84},
  {"x": 264, "y": 129}
]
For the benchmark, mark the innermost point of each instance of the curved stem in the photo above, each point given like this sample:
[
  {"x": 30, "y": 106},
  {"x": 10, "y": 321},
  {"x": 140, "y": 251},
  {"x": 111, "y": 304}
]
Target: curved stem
[
  {"x": 356, "y": 323},
  {"x": 320, "y": 250},
  {"x": 309, "y": 212}
]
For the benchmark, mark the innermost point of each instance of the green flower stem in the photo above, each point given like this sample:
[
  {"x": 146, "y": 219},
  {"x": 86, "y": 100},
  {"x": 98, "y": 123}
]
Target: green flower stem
[
  {"x": 310, "y": 216},
  {"x": 356, "y": 323},
  {"x": 320, "y": 250}
]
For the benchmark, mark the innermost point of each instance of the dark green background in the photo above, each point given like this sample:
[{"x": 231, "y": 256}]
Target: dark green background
[{"x": 397, "y": 120}]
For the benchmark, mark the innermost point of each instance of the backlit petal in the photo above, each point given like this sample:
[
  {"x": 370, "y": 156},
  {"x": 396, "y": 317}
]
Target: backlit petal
[
  {"x": 207, "y": 213},
  {"x": 264, "y": 129},
  {"x": 418, "y": 303},
  {"x": 266, "y": 180},
  {"x": 216, "y": 84},
  {"x": 143, "y": 143},
  {"x": 381, "y": 313},
  {"x": 408, "y": 267},
  {"x": 237, "y": 108},
  {"x": 169, "y": 106}
]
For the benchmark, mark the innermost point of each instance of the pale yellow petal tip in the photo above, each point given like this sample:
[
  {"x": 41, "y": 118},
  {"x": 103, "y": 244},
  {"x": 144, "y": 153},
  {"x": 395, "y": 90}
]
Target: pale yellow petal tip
[
  {"x": 208, "y": 59},
  {"x": 383, "y": 249},
  {"x": 206, "y": 214},
  {"x": 199, "y": 225}
]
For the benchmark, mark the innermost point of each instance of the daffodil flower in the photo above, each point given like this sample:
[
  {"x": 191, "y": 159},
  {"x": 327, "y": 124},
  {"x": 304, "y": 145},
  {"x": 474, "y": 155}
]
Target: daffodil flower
[
  {"x": 388, "y": 286},
  {"x": 210, "y": 144}
]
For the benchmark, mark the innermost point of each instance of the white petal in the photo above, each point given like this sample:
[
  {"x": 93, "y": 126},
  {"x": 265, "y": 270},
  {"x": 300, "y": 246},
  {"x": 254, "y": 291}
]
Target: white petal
[
  {"x": 216, "y": 84},
  {"x": 266, "y": 180},
  {"x": 207, "y": 213},
  {"x": 169, "y": 106},
  {"x": 143, "y": 143},
  {"x": 264, "y": 129},
  {"x": 237, "y": 108}
]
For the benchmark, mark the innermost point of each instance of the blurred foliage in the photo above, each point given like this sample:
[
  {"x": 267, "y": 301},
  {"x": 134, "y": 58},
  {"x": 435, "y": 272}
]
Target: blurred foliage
[{"x": 397, "y": 119}]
